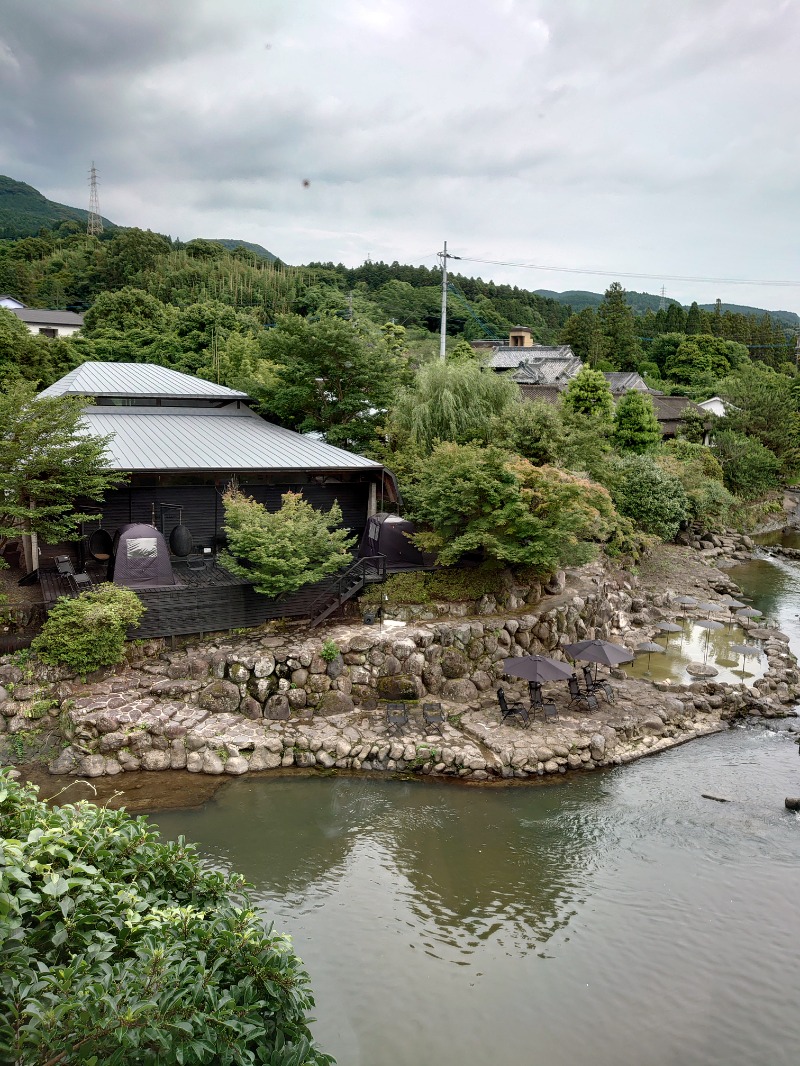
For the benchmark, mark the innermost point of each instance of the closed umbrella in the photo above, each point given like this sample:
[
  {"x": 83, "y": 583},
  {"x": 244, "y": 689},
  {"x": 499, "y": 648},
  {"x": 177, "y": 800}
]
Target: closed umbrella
[
  {"x": 649, "y": 646},
  {"x": 744, "y": 650},
  {"x": 537, "y": 668},
  {"x": 708, "y": 624}
]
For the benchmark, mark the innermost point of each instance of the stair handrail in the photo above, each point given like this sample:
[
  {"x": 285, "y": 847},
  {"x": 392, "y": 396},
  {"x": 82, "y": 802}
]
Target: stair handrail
[{"x": 334, "y": 589}]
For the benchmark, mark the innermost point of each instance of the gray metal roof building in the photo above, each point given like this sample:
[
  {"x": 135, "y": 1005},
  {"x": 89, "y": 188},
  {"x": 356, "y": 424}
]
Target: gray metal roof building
[
  {"x": 144, "y": 380},
  {"x": 39, "y": 316},
  {"x": 188, "y": 439}
]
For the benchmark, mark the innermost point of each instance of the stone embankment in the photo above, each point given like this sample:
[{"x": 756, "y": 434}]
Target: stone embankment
[{"x": 268, "y": 700}]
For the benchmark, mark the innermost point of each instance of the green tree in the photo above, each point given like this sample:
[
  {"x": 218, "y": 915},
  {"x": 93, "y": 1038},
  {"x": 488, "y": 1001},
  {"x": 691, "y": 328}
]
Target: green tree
[
  {"x": 132, "y": 252},
  {"x": 583, "y": 334},
  {"x": 456, "y": 402},
  {"x": 750, "y": 469},
  {"x": 463, "y": 352},
  {"x": 763, "y": 404},
  {"x": 589, "y": 394},
  {"x": 470, "y": 498},
  {"x": 23, "y": 355},
  {"x": 700, "y": 358},
  {"x": 125, "y": 309},
  {"x": 329, "y": 377},
  {"x": 636, "y": 428},
  {"x": 116, "y": 947},
  {"x": 664, "y": 346},
  {"x": 652, "y": 498},
  {"x": 618, "y": 324},
  {"x": 47, "y": 461},
  {"x": 698, "y": 470},
  {"x": 283, "y": 550}
]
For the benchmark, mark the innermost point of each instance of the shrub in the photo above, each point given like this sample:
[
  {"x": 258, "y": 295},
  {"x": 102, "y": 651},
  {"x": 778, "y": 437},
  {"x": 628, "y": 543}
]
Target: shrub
[
  {"x": 636, "y": 428},
  {"x": 654, "y": 500},
  {"x": 118, "y": 948},
  {"x": 88, "y": 632},
  {"x": 329, "y": 651},
  {"x": 286, "y": 549},
  {"x": 750, "y": 469}
]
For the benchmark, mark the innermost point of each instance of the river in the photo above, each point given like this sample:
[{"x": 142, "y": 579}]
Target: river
[{"x": 617, "y": 918}]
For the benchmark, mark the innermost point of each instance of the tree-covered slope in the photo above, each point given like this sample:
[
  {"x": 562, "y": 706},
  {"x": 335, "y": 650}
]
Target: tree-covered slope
[
  {"x": 24, "y": 210},
  {"x": 232, "y": 244}
]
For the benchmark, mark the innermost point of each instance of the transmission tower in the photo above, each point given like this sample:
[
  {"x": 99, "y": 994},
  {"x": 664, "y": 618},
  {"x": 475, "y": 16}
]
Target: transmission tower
[
  {"x": 94, "y": 226},
  {"x": 662, "y": 303}
]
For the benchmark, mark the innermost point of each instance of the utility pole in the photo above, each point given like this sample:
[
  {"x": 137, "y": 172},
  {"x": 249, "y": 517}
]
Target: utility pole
[
  {"x": 444, "y": 256},
  {"x": 797, "y": 350}
]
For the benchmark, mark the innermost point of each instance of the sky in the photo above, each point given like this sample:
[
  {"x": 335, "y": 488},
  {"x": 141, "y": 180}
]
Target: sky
[{"x": 607, "y": 138}]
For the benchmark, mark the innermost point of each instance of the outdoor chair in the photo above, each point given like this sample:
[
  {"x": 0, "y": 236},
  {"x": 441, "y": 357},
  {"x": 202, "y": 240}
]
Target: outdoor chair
[
  {"x": 594, "y": 685},
  {"x": 433, "y": 715},
  {"x": 579, "y": 696},
  {"x": 513, "y": 710},
  {"x": 547, "y": 708},
  {"x": 76, "y": 582},
  {"x": 396, "y": 715}
]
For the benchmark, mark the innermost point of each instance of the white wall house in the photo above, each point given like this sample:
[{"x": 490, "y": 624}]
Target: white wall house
[
  {"x": 714, "y": 406},
  {"x": 48, "y": 323},
  {"x": 10, "y": 302}
]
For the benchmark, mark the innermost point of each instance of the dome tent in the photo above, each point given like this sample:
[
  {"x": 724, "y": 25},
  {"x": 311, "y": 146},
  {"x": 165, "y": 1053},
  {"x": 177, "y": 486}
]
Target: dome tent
[
  {"x": 140, "y": 559},
  {"x": 388, "y": 535}
]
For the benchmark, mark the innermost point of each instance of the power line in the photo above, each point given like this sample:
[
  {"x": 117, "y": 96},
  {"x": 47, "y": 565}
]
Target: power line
[{"x": 630, "y": 274}]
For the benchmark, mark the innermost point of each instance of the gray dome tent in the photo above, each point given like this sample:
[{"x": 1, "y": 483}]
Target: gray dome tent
[
  {"x": 385, "y": 534},
  {"x": 140, "y": 559}
]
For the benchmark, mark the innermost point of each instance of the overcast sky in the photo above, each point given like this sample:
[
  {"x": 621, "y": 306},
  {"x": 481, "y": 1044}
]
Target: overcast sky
[{"x": 623, "y": 136}]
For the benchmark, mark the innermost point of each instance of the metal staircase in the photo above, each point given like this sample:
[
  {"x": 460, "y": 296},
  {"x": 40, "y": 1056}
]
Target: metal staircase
[{"x": 367, "y": 571}]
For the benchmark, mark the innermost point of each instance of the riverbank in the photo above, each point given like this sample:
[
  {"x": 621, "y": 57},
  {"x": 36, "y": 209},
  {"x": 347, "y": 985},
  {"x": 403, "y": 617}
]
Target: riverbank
[{"x": 268, "y": 702}]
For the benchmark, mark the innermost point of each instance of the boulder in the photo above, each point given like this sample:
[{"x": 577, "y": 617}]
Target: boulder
[
  {"x": 454, "y": 664},
  {"x": 334, "y": 702},
  {"x": 220, "y": 697},
  {"x": 66, "y": 762},
  {"x": 459, "y": 690},
  {"x": 155, "y": 760},
  {"x": 277, "y": 708},
  {"x": 400, "y": 687}
]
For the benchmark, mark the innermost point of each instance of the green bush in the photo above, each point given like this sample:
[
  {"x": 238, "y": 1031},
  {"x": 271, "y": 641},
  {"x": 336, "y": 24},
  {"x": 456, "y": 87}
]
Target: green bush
[
  {"x": 88, "y": 632},
  {"x": 750, "y": 469},
  {"x": 118, "y": 948},
  {"x": 448, "y": 585},
  {"x": 653, "y": 499},
  {"x": 329, "y": 651}
]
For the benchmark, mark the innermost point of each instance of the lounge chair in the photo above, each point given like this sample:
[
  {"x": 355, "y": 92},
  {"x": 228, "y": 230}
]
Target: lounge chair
[
  {"x": 579, "y": 696},
  {"x": 593, "y": 684},
  {"x": 512, "y": 710},
  {"x": 538, "y": 703}
]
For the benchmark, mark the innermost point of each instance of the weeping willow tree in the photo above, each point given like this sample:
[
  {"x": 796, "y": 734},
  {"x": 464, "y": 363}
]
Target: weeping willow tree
[{"x": 455, "y": 402}]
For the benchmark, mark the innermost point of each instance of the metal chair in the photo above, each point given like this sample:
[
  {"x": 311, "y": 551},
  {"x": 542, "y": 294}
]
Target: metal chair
[
  {"x": 578, "y": 696},
  {"x": 78, "y": 583},
  {"x": 594, "y": 685},
  {"x": 396, "y": 715},
  {"x": 538, "y": 703},
  {"x": 513, "y": 710},
  {"x": 433, "y": 715}
]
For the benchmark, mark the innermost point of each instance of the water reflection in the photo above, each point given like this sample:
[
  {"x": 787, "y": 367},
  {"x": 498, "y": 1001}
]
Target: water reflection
[
  {"x": 692, "y": 645},
  {"x": 528, "y": 867}
]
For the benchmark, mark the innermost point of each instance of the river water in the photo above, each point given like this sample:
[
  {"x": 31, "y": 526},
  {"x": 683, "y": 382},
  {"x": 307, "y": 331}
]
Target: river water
[{"x": 615, "y": 918}]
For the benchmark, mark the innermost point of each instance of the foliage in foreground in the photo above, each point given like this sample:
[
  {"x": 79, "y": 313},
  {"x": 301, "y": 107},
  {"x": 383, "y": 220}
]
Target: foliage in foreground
[
  {"x": 118, "y": 948},
  {"x": 88, "y": 632},
  {"x": 283, "y": 550}
]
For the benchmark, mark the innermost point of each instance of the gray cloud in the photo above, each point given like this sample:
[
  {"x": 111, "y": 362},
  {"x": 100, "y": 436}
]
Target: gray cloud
[{"x": 627, "y": 135}]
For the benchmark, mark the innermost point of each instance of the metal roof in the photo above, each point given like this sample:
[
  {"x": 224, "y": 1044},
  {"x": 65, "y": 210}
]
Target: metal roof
[
  {"x": 194, "y": 439},
  {"x": 39, "y": 316},
  {"x": 624, "y": 381},
  {"x": 507, "y": 357},
  {"x": 548, "y": 371},
  {"x": 137, "y": 379}
]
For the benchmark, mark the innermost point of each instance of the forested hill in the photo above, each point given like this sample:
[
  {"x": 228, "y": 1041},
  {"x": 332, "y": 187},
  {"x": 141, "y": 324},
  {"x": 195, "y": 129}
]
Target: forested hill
[
  {"x": 232, "y": 244},
  {"x": 641, "y": 302},
  {"x": 24, "y": 211}
]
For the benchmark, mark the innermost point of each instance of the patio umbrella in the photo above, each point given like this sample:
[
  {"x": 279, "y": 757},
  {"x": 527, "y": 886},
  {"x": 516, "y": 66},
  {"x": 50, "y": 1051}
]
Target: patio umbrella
[
  {"x": 709, "y": 607},
  {"x": 598, "y": 651},
  {"x": 649, "y": 646},
  {"x": 748, "y": 612},
  {"x": 708, "y": 624},
  {"x": 744, "y": 650},
  {"x": 670, "y": 627},
  {"x": 537, "y": 668},
  {"x": 732, "y": 605},
  {"x": 687, "y": 601}
]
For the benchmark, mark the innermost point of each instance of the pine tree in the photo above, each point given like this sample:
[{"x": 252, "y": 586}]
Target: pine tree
[
  {"x": 589, "y": 394},
  {"x": 619, "y": 329},
  {"x": 636, "y": 428}
]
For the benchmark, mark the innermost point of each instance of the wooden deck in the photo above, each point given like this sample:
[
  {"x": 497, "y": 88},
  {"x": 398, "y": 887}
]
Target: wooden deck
[{"x": 206, "y": 600}]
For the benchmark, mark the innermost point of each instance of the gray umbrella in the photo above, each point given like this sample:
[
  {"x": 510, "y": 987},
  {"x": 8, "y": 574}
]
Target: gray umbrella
[
  {"x": 537, "y": 668},
  {"x": 670, "y": 627},
  {"x": 744, "y": 650},
  {"x": 598, "y": 651},
  {"x": 708, "y": 624},
  {"x": 708, "y": 607},
  {"x": 748, "y": 612},
  {"x": 649, "y": 646},
  {"x": 687, "y": 601}
]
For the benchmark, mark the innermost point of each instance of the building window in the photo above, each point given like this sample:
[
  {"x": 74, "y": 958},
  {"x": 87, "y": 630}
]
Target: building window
[{"x": 47, "y": 331}]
